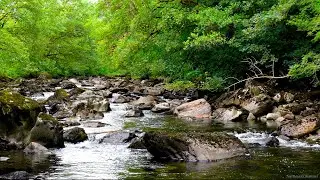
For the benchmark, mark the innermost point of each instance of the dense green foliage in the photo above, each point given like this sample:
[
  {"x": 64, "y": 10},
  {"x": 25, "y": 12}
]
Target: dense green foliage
[{"x": 200, "y": 42}]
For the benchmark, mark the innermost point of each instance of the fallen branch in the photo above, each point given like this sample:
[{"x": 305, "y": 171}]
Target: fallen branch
[{"x": 260, "y": 77}]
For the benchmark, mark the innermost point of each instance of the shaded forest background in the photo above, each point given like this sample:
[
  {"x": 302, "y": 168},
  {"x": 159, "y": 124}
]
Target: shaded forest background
[{"x": 208, "y": 44}]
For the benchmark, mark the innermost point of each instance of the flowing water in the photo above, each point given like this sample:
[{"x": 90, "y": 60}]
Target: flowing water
[{"x": 94, "y": 159}]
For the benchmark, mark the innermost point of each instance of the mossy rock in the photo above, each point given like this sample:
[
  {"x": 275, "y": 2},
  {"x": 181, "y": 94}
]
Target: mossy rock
[
  {"x": 18, "y": 114},
  {"x": 60, "y": 95},
  {"x": 47, "y": 131},
  {"x": 75, "y": 135}
]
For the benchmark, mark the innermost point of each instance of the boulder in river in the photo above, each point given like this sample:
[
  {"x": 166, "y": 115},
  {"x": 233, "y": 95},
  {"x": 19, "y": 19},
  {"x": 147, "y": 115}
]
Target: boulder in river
[
  {"x": 300, "y": 127},
  {"x": 18, "y": 115},
  {"x": 193, "y": 146},
  {"x": 75, "y": 135},
  {"x": 144, "y": 103},
  {"x": 199, "y": 109},
  {"x": 272, "y": 142},
  {"x": 47, "y": 131}
]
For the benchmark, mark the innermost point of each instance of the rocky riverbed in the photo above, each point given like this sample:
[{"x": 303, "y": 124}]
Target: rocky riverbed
[{"x": 111, "y": 128}]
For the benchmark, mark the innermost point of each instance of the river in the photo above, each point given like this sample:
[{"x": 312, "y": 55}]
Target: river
[{"x": 94, "y": 159}]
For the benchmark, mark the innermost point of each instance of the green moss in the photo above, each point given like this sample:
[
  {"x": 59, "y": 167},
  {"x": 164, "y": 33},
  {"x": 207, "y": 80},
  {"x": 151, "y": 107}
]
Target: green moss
[
  {"x": 180, "y": 85},
  {"x": 130, "y": 125},
  {"x": 61, "y": 94},
  {"x": 47, "y": 117},
  {"x": 12, "y": 99}
]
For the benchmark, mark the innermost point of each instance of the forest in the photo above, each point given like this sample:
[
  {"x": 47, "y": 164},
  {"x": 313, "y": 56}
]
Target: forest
[{"x": 207, "y": 44}]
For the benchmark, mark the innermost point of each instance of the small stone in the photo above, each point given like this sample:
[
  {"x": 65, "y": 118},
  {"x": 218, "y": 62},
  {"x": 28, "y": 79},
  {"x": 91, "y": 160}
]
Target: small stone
[
  {"x": 251, "y": 117},
  {"x": 289, "y": 116},
  {"x": 272, "y": 142},
  {"x": 272, "y": 116},
  {"x": 75, "y": 135}
]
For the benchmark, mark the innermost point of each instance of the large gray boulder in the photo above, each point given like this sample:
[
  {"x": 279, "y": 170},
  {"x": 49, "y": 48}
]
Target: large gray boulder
[
  {"x": 199, "y": 109},
  {"x": 193, "y": 146}
]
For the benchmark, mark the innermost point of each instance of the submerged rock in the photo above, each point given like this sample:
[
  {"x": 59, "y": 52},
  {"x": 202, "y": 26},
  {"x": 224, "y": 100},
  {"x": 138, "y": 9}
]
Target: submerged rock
[
  {"x": 196, "y": 109},
  {"x": 17, "y": 175},
  {"x": 35, "y": 148},
  {"x": 75, "y": 135},
  {"x": 193, "y": 146}
]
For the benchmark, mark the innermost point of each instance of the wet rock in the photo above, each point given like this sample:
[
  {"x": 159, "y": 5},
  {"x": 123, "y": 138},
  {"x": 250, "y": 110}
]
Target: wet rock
[
  {"x": 161, "y": 107},
  {"x": 115, "y": 138},
  {"x": 193, "y": 146},
  {"x": 199, "y": 109},
  {"x": 75, "y": 135},
  {"x": 298, "y": 128},
  {"x": 130, "y": 137},
  {"x": 229, "y": 114},
  {"x": 59, "y": 96},
  {"x": 118, "y": 98},
  {"x": 134, "y": 113},
  {"x": 17, "y": 175},
  {"x": 144, "y": 103},
  {"x": 36, "y": 148},
  {"x": 272, "y": 142},
  {"x": 93, "y": 124},
  {"x": 137, "y": 143},
  {"x": 259, "y": 105},
  {"x": 47, "y": 131},
  {"x": 18, "y": 115}
]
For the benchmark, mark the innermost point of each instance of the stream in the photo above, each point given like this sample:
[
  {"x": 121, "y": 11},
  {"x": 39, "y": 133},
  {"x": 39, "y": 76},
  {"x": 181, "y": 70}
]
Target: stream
[{"x": 94, "y": 159}]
